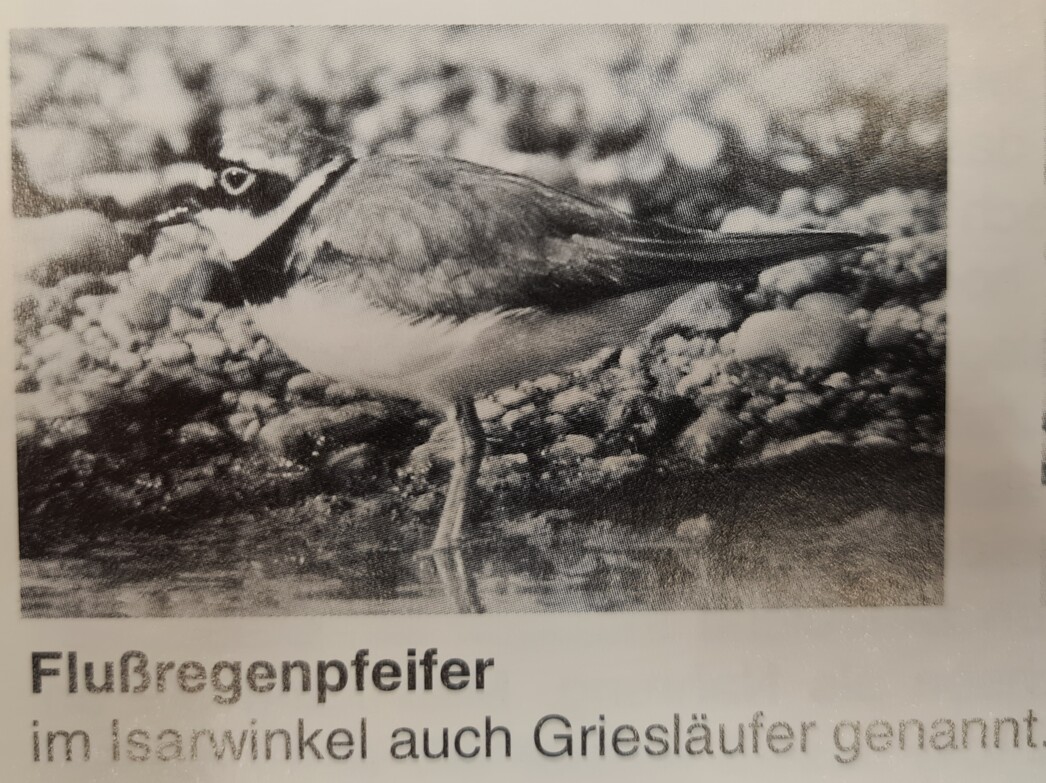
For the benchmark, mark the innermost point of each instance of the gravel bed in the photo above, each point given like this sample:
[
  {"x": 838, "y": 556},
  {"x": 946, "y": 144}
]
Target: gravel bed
[{"x": 133, "y": 410}]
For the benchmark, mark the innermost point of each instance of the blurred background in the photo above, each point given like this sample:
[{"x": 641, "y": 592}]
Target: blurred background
[
  {"x": 680, "y": 122},
  {"x": 178, "y": 463}
]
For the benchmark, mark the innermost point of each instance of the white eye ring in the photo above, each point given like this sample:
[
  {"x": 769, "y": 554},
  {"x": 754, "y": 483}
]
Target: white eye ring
[{"x": 236, "y": 179}]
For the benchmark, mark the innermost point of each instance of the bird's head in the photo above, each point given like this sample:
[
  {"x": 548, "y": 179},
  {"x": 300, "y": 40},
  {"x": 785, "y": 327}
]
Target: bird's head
[{"x": 263, "y": 181}]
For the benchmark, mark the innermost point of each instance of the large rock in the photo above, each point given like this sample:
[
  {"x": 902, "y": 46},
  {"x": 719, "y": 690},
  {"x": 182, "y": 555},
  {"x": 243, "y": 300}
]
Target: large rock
[
  {"x": 708, "y": 307},
  {"x": 822, "y": 303},
  {"x": 55, "y": 158},
  {"x": 298, "y": 433},
  {"x": 50, "y": 248},
  {"x": 806, "y": 342}
]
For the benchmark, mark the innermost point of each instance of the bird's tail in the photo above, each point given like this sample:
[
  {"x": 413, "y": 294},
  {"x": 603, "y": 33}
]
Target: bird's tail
[{"x": 719, "y": 247}]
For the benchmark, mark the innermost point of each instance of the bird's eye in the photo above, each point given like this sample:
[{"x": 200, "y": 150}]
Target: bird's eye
[{"x": 236, "y": 179}]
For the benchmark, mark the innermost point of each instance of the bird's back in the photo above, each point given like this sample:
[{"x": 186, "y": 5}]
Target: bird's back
[{"x": 430, "y": 236}]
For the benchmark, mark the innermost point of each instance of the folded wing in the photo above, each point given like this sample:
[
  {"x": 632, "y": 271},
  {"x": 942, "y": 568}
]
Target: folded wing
[{"x": 441, "y": 237}]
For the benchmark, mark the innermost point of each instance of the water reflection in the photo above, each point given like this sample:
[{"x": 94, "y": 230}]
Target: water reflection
[{"x": 860, "y": 533}]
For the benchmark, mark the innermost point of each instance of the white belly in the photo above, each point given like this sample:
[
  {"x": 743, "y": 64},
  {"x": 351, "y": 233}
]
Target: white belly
[{"x": 439, "y": 360}]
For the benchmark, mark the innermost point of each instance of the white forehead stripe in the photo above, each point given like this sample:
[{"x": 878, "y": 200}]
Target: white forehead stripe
[{"x": 258, "y": 159}]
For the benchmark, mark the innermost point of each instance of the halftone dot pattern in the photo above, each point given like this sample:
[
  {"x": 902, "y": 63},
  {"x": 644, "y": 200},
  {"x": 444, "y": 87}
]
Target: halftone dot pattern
[{"x": 771, "y": 441}]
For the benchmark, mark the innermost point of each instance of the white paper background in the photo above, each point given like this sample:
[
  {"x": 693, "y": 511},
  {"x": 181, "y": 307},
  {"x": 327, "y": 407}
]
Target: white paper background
[{"x": 980, "y": 656}]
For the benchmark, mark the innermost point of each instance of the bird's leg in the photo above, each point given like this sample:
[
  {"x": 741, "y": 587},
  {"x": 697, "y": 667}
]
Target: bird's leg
[
  {"x": 459, "y": 584},
  {"x": 458, "y": 509}
]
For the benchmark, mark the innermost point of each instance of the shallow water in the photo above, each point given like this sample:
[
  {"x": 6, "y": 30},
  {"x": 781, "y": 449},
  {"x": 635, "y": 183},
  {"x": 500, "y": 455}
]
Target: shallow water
[{"x": 844, "y": 528}]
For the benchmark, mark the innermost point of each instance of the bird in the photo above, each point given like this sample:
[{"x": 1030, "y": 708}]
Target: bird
[{"x": 442, "y": 280}]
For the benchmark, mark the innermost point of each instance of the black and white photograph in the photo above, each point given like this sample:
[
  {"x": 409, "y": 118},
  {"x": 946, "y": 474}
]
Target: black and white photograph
[{"x": 479, "y": 319}]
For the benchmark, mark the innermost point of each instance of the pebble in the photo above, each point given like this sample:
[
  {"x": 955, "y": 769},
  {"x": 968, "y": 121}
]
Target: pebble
[
  {"x": 789, "y": 410},
  {"x": 571, "y": 447},
  {"x": 521, "y": 417},
  {"x": 146, "y": 310},
  {"x": 795, "y": 278},
  {"x": 351, "y": 464},
  {"x": 126, "y": 360},
  {"x": 875, "y": 441},
  {"x": 893, "y": 326},
  {"x": 696, "y": 528},
  {"x": 90, "y": 305},
  {"x": 240, "y": 373},
  {"x": 714, "y": 433},
  {"x": 308, "y": 384},
  {"x": 488, "y": 409},
  {"x": 794, "y": 201},
  {"x": 294, "y": 434},
  {"x": 675, "y": 345},
  {"x": 56, "y": 344},
  {"x": 239, "y": 423},
  {"x": 745, "y": 220},
  {"x": 201, "y": 433},
  {"x": 701, "y": 372},
  {"x": 631, "y": 359},
  {"x": 829, "y": 199},
  {"x": 709, "y": 307},
  {"x": 597, "y": 363},
  {"x": 571, "y": 401},
  {"x": 258, "y": 402},
  {"x": 56, "y": 157},
  {"x": 805, "y": 342},
  {"x": 439, "y": 449},
  {"x": 839, "y": 380},
  {"x": 693, "y": 143},
  {"x": 64, "y": 368},
  {"x": 822, "y": 439},
  {"x": 206, "y": 345},
  {"x": 237, "y": 329},
  {"x": 170, "y": 354},
  {"x": 503, "y": 473},
  {"x": 67, "y": 243},
  {"x": 822, "y": 303},
  {"x": 341, "y": 392},
  {"x": 617, "y": 469},
  {"x": 552, "y": 383}
]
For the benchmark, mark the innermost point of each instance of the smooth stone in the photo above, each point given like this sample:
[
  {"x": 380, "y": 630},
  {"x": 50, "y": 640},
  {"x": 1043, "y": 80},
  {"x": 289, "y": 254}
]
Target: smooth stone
[
  {"x": 294, "y": 434},
  {"x": 702, "y": 371},
  {"x": 714, "y": 433},
  {"x": 200, "y": 433},
  {"x": 169, "y": 354},
  {"x": 572, "y": 447},
  {"x": 570, "y": 400},
  {"x": 795, "y": 278},
  {"x": 66, "y": 243},
  {"x": 805, "y": 342},
  {"x": 828, "y": 303},
  {"x": 308, "y": 384},
  {"x": 893, "y": 326},
  {"x": 351, "y": 464},
  {"x": 207, "y": 346},
  {"x": 708, "y": 307},
  {"x": 487, "y": 409}
]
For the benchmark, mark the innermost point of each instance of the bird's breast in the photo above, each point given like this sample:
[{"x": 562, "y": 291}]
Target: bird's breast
[{"x": 440, "y": 360}]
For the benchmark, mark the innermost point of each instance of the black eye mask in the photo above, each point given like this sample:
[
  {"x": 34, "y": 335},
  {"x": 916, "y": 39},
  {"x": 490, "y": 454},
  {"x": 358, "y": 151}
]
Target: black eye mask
[{"x": 267, "y": 192}]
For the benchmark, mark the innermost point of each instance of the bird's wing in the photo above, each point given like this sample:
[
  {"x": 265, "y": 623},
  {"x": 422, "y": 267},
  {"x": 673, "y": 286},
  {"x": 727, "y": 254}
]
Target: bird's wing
[{"x": 442, "y": 237}]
